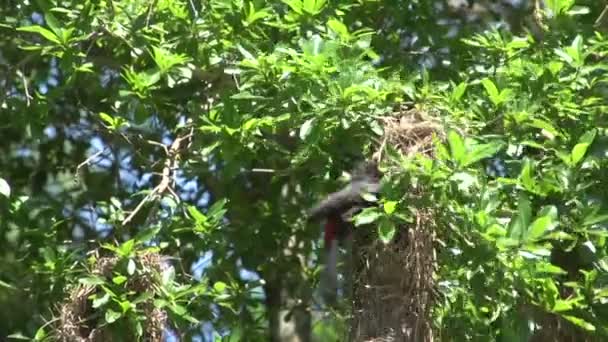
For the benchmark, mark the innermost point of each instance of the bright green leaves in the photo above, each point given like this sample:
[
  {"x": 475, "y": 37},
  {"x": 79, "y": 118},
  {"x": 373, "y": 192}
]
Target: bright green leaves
[
  {"x": 47, "y": 34},
  {"x": 497, "y": 97},
  {"x": 166, "y": 60},
  {"x": 252, "y": 14},
  {"x": 5, "y": 189},
  {"x": 578, "y": 152},
  {"x": 386, "y": 231},
  {"x": 142, "y": 83},
  {"x": 57, "y": 35},
  {"x": 114, "y": 123},
  {"x": 580, "y": 149},
  {"x": 465, "y": 153},
  {"x": 306, "y": 128},
  {"x": 203, "y": 223},
  {"x": 523, "y": 231},
  {"x": 546, "y": 221},
  {"x": 458, "y": 92},
  {"x": 573, "y": 54},
  {"x": 339, "y": 28},
  {"x": 521, "y": 220},
  {"x": 309, "y": 7},
  {"x": 367, "y": 216},
  {"x": 382, "y": 217},
  {"x": 558, "y": 7}
]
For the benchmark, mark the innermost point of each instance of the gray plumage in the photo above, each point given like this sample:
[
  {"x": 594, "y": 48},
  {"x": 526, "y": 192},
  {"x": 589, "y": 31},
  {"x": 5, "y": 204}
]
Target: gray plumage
[{"x": 365, "y": 179}]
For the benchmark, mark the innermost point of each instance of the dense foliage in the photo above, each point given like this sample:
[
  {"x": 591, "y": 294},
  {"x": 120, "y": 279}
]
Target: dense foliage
[{"x": 157, "y": 158}]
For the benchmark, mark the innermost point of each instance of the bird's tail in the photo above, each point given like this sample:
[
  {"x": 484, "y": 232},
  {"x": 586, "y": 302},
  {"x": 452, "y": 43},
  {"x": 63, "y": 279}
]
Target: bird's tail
[{"x": 330, "y": 273}]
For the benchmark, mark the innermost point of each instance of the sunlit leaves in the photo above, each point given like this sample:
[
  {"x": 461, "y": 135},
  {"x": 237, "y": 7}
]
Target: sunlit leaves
[
  {"x": 386, "y": 231},
  {"x": 5, "y": 189},
  {"x": 465, "y": 154},
  {"x": 166, "y": 60},
  {"x": 546, "y": 221},
  {"x": 579, "y": 150},
  {"x": 497, "y": 97},
  {"x": 573, "y": 54}
]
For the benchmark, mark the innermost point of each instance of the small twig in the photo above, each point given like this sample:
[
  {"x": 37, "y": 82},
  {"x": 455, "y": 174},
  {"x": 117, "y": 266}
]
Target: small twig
[
  {"x": 599, "y": 19},
  {"x": 263, "y": 170},
  {"x": 28, "y": 97},
  {"x": 149, "y": 15},
  {"x": 88, "y": 160}
]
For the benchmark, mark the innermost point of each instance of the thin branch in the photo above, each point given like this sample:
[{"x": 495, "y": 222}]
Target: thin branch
[
  {"x": 599, "y": 19},
  {"x": 88, "y": 160},
  {"x": 167, "y": 174}
]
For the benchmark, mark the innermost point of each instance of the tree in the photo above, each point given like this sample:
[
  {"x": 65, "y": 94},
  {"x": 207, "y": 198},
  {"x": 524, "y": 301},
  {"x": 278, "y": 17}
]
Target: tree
[{"x": 158, "y": 158}]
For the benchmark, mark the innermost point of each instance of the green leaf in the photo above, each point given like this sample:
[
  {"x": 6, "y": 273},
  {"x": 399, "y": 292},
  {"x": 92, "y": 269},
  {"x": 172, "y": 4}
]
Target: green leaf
[
  {"x": 147, "y": 235},
  {"x": 220, "y": 286},
  {"x": 112, "y": 316},
  {"x": 580, "y": 322},
  {"x": 459, "y": 91},
  {"x": 546, "y": 222},
  {"x": 131, "y": 267},
  {"x": 559, "y": 6},
  {"x": 42, "y": 31},
  {"x": 248, "y": 55},
  {"x": 369, "y": 197},
  {"x": 91, "y": 281},
  {"x": 482, "y": 151},
  {"x": 126, "y": 248},
  {"x": 217, "y": 210},
  {"x": 366, "y": 216},
  {"x": 40, "y": 334},
  {"x": 457, "y": 148},
  {"x": 5, "y": 189},
  {"x": 18, "y": 336},
  {"x": 306, "y": 128},
  {"x": 490, "y": 88},
  {"x": 295, "y": 5},
  {"x": 595, "y": 219},
  {"x": 544, "y": 125},
  {"x": 526, "y": 177},
  {"x": 580, "y": 149},
  {"x": 119, "y": 279},
  {"x": 98, "y": 302},
  {"x": 386, "y": 231},
  {"x": 52, "y": 22},
  {"x": 338, "y": 27},
  {"x": 7, "y": 285},
  {"x": 107, "y": 118},
  {"x": 199, "y": 218},
  {"x": 390, "y": 206},
  {"x": 522, "y": 218}
]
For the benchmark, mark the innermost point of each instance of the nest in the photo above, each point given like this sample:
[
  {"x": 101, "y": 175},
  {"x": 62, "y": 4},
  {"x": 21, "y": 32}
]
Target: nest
[
  {"x": 78, "y": 321},
  {"x": 393, "y": 292},
  {"x": 410, "y": 131}
]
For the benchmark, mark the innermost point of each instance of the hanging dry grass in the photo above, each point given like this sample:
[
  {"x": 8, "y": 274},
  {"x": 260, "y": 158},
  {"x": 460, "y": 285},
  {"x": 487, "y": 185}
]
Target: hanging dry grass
[
  {"x": 394, "y": 285},
  {"x": 77, "y": 320}
]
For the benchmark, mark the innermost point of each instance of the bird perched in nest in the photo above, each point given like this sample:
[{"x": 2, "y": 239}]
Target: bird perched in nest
[{"x": 338, "y": 209}]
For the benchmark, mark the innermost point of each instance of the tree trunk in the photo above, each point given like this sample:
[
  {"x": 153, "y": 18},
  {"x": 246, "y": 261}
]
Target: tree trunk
[{"x": 289, "y": 319}]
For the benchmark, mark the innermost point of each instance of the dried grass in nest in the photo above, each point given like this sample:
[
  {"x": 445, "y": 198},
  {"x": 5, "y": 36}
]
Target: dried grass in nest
[
  {"x": 396, "y": 285},
  {"x": 77, "y": 320},
  {"x": 394, "y": 298},
  {"x": 410, "y": 131}
]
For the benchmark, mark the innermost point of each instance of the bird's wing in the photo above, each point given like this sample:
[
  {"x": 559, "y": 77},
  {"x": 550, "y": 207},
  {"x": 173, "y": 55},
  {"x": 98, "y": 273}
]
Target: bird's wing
[{"x": 342, "y": 200}]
